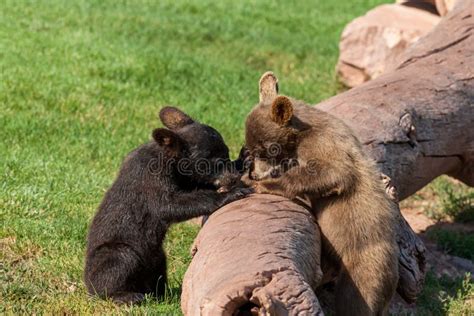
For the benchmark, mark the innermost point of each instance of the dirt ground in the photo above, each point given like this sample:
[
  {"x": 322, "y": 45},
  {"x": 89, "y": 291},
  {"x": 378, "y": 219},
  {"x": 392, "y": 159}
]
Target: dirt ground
[{"x": 438, "y": 261}]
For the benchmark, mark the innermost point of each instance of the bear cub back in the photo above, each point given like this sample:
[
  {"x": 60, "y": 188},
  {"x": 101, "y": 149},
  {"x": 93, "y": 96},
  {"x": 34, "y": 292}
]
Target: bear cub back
[{"x": 169, "y": 179}]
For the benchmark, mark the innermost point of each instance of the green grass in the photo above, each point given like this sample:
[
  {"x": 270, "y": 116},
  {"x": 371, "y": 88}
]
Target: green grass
[
  {"x": 450, "y": 200},
  {"x": 445, "y": 199},
  {"x": 457, "y": 201},
  {"x": 445, "y": 296},
  {"x": 461, "y": 302},
  {"x": 81, "y": 83},
  {"x": 455, "y": 243}
]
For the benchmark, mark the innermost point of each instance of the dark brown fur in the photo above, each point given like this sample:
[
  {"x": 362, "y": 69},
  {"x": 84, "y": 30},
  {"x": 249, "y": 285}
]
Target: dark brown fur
[
  {"x": 125, "y": 258},
  {"x": 356, "y": 217}
]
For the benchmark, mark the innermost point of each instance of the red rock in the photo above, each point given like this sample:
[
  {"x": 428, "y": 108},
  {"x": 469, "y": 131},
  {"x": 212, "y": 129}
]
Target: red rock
[
  {"x": 444, "y": 6},
  {"x": 372, "y": 43}
]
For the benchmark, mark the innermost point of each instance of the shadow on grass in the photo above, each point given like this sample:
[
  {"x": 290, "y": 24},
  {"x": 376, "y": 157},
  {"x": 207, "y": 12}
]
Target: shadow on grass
[
  {"x": 452, "y": 240},
  {"x": 445, "y": 296}
]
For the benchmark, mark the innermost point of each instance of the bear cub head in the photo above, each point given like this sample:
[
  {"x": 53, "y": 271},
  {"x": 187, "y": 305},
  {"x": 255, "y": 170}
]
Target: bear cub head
[
  {"x": 272, "y": 132},
  {"x": 191, "y": 150}
]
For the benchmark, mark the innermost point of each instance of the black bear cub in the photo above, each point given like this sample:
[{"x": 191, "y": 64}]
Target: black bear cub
[{"x": 168, "y": 180}]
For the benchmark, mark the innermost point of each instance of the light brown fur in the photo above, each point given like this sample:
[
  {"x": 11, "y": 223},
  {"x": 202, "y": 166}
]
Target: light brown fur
[{"x": 356, "y": 217}]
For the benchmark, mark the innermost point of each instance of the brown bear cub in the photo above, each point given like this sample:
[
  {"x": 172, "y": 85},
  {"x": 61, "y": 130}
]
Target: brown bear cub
[
  {"x": 167, "y": 180},
  {"x": 343, "y": 185}
]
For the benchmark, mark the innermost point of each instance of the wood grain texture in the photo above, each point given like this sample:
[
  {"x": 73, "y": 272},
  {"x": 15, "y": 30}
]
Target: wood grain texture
[{"x": 260, "y": 253}]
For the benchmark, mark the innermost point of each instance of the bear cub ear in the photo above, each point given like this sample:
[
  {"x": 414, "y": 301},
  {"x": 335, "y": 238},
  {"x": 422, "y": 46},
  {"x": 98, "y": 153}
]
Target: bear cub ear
[
  {"x": 174, "y": 118},
  {"x": 166, "y": 138},
  {"x": 268, "y": 87},
  {"x": 282, "y": 110}
]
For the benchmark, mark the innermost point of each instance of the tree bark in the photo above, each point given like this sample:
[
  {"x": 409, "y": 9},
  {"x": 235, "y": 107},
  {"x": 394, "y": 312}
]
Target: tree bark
[
  {"x": 416, "y": 121},
  {"x": 257, "y": 255}
]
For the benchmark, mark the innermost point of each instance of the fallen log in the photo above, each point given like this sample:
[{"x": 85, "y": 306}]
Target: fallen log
[
  {"x": 417, "y": 128},
  {"x": 416, "y": 121},
  {"x": 267, "y": 264}
]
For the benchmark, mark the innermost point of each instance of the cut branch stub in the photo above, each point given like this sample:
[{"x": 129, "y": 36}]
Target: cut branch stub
[{"x": 411, "y": 262}]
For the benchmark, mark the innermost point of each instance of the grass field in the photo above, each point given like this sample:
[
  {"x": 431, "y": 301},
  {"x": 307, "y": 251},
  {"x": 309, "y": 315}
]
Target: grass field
[{"x": 81, "y": 83}]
